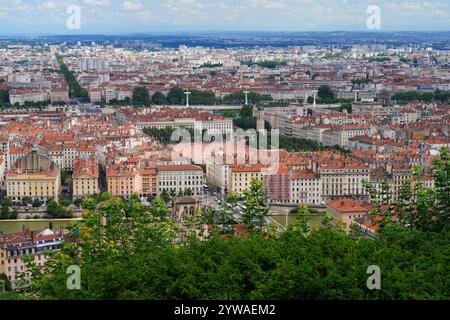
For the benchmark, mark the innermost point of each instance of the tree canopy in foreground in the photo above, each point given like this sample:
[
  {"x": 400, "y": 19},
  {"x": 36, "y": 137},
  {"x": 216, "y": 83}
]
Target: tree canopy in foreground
[{"x": 133, "y": 256}]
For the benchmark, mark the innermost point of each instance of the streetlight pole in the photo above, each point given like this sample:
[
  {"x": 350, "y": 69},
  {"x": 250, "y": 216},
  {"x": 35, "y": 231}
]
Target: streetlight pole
[
  {"x": 187, "y": 93},
  {"x": 246, "y": 97}
]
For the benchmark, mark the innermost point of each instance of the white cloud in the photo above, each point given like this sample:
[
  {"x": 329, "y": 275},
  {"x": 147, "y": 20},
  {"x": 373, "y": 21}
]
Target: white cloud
[
  {"x": 96, "y": 2},
  {"x": 268, "y": 4},
  {"x": 131, "y": 6},
  {"x": 51, "y": 5},
  {"x": 412, "y": 5}
]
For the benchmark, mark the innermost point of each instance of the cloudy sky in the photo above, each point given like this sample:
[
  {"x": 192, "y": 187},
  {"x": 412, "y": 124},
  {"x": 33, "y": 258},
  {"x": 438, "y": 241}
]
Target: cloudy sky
[{"x": 129, "y": 16}]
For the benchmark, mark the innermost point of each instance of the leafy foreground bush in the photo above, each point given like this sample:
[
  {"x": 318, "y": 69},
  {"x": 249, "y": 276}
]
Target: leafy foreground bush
[{"x": 326, "y": 264}]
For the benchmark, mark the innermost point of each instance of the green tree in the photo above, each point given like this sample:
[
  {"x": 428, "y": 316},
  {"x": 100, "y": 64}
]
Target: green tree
[
  {"x": 175, "y": 95},
  {"x": 7, "y": 210},
  {"x": 63, "y": 174},
  {"x": 165, "y": 196},
  {"x": 246, "y": 112},
  {"x": 56, "y": 210},
  {"x": 4, "y": 96},
  {"x": 27, "y": 201},
  {"x": 325, "y": 92},
  {"x": 163, "y": 135},
  {"x": 65, "y": 202},
  {"x": 5, "y": 284},
  {"x": 227, "y": 214},
  {"x": 425, "y": 209},
  {"x": 159, "y": 98},
  {"x": 302, "y": 215},
  {"x": 141, "y": 96},
  {"x": 37, "y": 203},
  {"x": 75, "y": 90},
  {"x": 256, "y": 209},
  {"x": 105, "y": 196}
]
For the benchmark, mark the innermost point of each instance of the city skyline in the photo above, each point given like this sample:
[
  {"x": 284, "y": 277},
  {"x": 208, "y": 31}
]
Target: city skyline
[{"x": 175, "y": 16}]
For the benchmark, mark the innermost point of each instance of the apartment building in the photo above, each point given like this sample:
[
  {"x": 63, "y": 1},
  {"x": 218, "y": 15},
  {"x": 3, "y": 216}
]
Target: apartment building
[
  {"x": 305, "y": 187},
  {"x": 341, "y": 179},
  {"x": 2, "y": 171},
  {"x": 123, "y": 180},
  {"x": 277, "y": 187},
  {"x": 180, "y": 178},
  {"x": 85, "y": 178},
  {"x": 340, "y": 135},
  {"x": 149, "y": 181},
  {"x": 15, "y": 154},
  {"x": 346, "y": 210},
  {"x": 400, "y": 174},
  {"x": 13, "y": 246},
  {"x": 22, "y": 95},
  {"x": 59, "y": 94},
  {"x": 242, "y": 176},
  {"x": 70, "y": 154},
  {"x": 218, "y": 177},
  {"x": 36, "y": 176}
]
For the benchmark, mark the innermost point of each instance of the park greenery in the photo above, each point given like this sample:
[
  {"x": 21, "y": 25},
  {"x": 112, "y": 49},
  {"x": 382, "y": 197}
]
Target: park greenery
[
  {"x": 159, "y": 98},
  {"x": 75, "y": 90},
  {"x": 7, "y": 209},
  {"x": 58, "y": 210},
  {"x": 292, "y": 144},
  {"x": 325, "y": 93},
  {"x": 162, "y": 135},
  {"x": 408, "y": 96},
  {"x": 253, "y": 98},
  {"x": 211, "y": 65},
  {"x": 115, "y": 102},
  {"x": 360, "y": 81},
  {"x": 141, "y": 97},
  {"x": 379, "y": 59},
  {"x": 265, "y": 64},
  {"x": 4, "y": 97}
]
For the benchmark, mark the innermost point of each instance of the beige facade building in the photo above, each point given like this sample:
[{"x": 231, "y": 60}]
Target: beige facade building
[
  {"x": 346, "y": 210},
  {"x": 85, "y": 178},
  {"x": 123, "y": 181},
  {"x": 242, "y": 176},
  {"x": 34, "y": 176}
]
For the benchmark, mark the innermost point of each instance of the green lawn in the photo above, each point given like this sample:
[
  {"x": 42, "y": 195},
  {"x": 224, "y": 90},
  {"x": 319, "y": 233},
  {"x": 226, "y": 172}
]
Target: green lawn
[
  {"x": 16, "y": 226},
  {"x": 315, "y": 220}
]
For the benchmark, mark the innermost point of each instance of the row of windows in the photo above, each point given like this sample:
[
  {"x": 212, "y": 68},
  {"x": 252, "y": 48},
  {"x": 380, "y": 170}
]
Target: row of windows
[
  {"x": 12, "y": 183},
  {"x": 20, "y": 252},
  {"x": 180, "y": 183}
]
